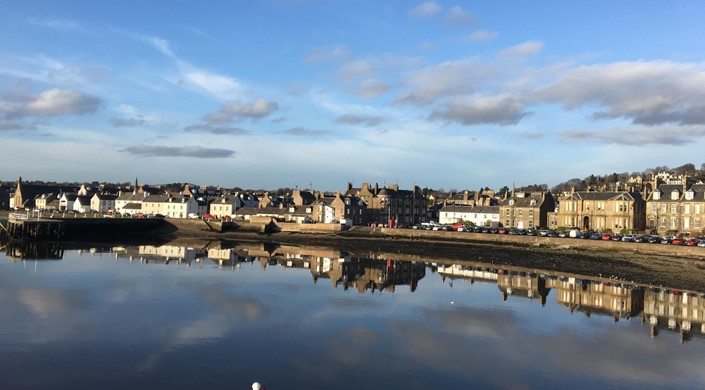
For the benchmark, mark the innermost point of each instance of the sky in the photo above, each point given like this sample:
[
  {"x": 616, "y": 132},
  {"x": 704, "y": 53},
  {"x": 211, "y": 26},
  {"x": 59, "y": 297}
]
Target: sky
[{"x": 296, "y": 93}]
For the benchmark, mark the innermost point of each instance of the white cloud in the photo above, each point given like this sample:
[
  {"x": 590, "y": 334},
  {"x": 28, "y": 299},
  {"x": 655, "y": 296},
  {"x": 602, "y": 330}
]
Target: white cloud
[
  {"x": 58, "y": 24},
  {"x": 482, "y": 35},
  {"x": 476, "y": 110},
  {"x": 425, "y": 10},
  {"x": 647, "y": 93},
  {"x": 637, "y": 136},
  {"x": 449, "y": 78},
  {"x": 215, "y": 129},
  {"x": 355, "y": 69},
  {"x": 360, "y": 119},
  {"x": 369, "y": 89},
  {"x": 329, "y": 53},
  {"x": 522, "y": 50},
  {"x": 456, "y": 15},
  {"x": 223, "y": 87},
  {"x": 178, "y": 151},
  {"x": 300, "y": 131},
  {"x": 52, "y": 102},
  {"x": 233, "y": 110}
]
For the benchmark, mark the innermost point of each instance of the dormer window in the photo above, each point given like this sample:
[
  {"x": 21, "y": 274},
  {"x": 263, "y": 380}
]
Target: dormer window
[
  {"x": 675, "y": 195},
  {"x": 533, "y": 202},
  {"x": 689, "y": 195},
  {"x": 511, "y": 202},
  {"x": 657, "y": 195}
]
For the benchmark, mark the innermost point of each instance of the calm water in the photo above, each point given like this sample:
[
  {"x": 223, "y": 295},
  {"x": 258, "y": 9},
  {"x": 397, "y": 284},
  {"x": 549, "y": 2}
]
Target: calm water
[{"x": 207, "y": 318}]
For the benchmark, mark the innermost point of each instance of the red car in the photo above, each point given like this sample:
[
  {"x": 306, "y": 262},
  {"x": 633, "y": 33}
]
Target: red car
[
  {"x": 606, "y": 237},
  {"x": 678, "y": 241},
  {"x": 692, "y": 242}
]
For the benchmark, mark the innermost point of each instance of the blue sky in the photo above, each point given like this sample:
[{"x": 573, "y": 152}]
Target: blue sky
[{"x": 285, "y": 93}]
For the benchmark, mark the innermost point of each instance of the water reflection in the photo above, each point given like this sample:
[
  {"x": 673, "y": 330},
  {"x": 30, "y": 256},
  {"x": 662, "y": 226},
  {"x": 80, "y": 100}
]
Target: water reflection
[
  {"x": 664, "y": 309},
  {"x": 320, "y": 316}
]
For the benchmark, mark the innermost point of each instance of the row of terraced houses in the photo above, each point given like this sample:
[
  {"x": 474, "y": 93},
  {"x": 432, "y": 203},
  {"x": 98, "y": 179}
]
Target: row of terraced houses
[{"x": 663, "y": 203}]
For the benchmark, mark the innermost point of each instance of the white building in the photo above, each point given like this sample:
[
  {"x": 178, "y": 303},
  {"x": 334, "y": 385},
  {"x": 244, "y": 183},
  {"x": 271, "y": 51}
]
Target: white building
[
  {"x": 82, "y": 204},
  {"x": 478, "y": 215},
  {"x": 223, "y": 206},
  {"x": 103, "y": 203}
]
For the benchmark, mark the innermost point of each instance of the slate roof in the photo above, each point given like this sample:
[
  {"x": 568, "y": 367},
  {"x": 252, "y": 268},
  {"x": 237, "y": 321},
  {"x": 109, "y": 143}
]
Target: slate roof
[
  {"x": 453, "y": 208},
  {"x": 698, "y": 193},
  {"x": 604, "y": 195},
  {"x": 486, "y": 209},
  {"x": 525, "y": 201}
]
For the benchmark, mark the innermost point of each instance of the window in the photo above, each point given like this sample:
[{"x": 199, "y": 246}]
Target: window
[
  {"x": 689, "y": 195},
  {"x": 697, "y": 209},
  {"x": 657, "y": 195},
  {"x": 520, "y": 213},
  {"x": 663, "y": 222},
  {"x": 663, "y": 208},
  {"x": 675, "y": 194},
  {"x": 654, "y": 208},
  {"x": 686, "y": 209},
  {"x": 673, "y": 208}
]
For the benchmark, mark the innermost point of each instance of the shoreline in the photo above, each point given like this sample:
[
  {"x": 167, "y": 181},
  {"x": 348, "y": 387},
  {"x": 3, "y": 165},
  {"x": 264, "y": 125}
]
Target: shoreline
[
  {"x": 649, "y": 264},
  {"x": 672, "y": 269}
]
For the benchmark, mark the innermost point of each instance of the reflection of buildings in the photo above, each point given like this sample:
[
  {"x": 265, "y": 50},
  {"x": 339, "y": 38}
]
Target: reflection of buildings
[
  {"x": 521, "y": 283},
  {"x": 663, "y": 309},
  {"x": 368, "y": 274},
  {"x": 592, "y": 297},
  {"x": 163, "y": 254},
  {"x": 676, "y": 311}
]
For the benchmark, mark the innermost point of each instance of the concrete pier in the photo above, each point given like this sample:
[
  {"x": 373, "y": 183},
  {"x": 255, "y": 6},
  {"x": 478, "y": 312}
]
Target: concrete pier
[{"x": 22, "y": 228}]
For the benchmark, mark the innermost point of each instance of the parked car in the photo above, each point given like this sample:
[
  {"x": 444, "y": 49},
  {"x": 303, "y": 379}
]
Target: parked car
[
  {"x": 606, "y": 237},
  {"x": 666, "y": 240},
  {"x": 692, "y": 241},
  {"x": 654, "y": 240},
  {"x": 678, "y": 241},
  {"x": 596, "y": 236},
  {"x": 701, "y": 244},
  {"x": 628, "y": 237}
]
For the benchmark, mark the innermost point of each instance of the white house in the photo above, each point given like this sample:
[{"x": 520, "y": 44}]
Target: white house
[
  {"x": 134, "y": 199},
  {"x": 155, "y": 204},
  {"x": 485, "y": 215},
  {"x": 478, "y": 215},
  {"x": 103, "y": 203},
  {"x": 180, "y": 207},
  {"x": 82, "y": 204},
  {"x": 451, "y": 214},
  {"x": 222, "y": 206},
  {"x": 326, "y": 212},
  {"x": 66, "y": 201}
]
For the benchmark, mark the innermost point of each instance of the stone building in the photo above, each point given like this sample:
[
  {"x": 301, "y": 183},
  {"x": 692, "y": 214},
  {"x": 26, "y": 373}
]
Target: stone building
[
  {"x": 677, "y": 206},
  {"x": 602, "y": 211},
  {"x": 525, "y": 210},
  {"x": 390, "y": 205}
]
